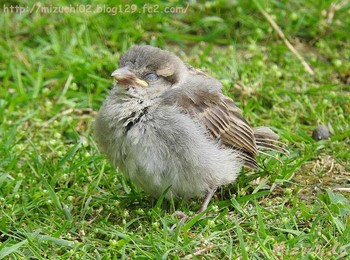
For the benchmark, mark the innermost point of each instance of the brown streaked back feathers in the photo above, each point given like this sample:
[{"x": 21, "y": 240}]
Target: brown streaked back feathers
[{"x": 222, "y": 118}]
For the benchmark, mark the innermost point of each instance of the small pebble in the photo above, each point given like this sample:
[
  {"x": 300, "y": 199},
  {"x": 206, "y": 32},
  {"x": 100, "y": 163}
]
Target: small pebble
[{"x": 320, "y": 133}]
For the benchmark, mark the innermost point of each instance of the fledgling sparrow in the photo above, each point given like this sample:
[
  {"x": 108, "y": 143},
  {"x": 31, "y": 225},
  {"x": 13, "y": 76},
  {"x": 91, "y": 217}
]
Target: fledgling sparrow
[{"x": 167, "y": 125}]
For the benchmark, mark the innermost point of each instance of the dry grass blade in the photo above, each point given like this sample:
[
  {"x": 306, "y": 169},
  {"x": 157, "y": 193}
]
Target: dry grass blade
[{"x": 286, "y": 41}]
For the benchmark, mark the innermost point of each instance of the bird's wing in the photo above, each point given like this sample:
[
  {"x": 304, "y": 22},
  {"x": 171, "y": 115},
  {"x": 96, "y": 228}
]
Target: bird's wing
[{"x": 222, "y": 118}]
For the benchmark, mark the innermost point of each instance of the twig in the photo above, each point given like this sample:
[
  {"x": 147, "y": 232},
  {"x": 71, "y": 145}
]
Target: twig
[
  {"x": 61, "y": 114},
  {"x": 287, "y": 43},
  {"x": 199, "y": 252},
  {"x": 69, "y": 111},
  {"x": 342, "y": 189},
  {"x": 333, "y": 8}
]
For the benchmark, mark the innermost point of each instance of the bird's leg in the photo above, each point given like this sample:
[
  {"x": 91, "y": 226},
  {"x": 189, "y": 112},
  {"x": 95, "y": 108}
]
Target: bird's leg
[
  {"x": 206, "y": 200},
  {"x": 203, "y": 207}
]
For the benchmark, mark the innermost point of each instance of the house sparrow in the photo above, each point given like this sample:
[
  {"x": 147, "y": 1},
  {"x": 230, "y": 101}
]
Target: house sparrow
[{"x": 167, "y": 125}]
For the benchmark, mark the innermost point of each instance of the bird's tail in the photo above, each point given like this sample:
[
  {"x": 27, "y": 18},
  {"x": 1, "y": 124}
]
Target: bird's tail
[{"x": 266, "y": 139}]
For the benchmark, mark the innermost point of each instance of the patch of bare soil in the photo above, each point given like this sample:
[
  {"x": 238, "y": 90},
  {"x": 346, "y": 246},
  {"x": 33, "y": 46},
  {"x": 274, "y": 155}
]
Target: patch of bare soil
[{"x": 323, "y": 173}]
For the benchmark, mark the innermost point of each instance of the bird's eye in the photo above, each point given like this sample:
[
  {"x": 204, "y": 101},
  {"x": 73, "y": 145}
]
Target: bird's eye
[{"x": 151, "y": 77}]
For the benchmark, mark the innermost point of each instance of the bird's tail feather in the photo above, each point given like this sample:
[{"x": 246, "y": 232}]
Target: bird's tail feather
[{"x": 266, "y": 139}]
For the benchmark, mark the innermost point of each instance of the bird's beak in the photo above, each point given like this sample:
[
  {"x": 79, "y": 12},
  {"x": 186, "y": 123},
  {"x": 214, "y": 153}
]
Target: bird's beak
[{"x": 126, "y": 78}]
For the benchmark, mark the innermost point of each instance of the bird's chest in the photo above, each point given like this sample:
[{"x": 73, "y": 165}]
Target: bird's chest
[
  {"x": 129, "y": 131},
  {"x": 133, "y": 115}
]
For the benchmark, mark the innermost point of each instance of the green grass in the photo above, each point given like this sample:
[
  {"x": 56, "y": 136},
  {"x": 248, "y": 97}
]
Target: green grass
[{"x": 60, "y": 198}]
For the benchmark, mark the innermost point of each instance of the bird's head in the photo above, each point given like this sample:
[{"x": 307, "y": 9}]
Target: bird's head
[{"x": 149, "y": 67}]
